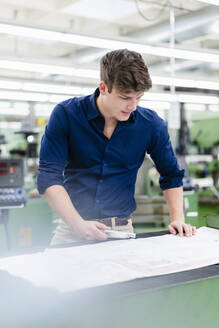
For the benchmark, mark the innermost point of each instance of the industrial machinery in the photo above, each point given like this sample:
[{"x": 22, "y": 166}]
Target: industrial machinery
[
  {"x": 204, "y": 134},
  {"x": 12, "y": 193}
]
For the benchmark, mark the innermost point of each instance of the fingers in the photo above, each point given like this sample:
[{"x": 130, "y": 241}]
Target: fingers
[
  {"x": 94, "y": 231},
  {"x": 187, "y": 229},
  {"x": 99, "y": 235},
  {"x": 193, "y": 230},
  {"x": 181, "y": 228},
  {"x": 175, "y": 228},
  {"x": 172, "y": 230},
  {"x": 101, "y": 226}
]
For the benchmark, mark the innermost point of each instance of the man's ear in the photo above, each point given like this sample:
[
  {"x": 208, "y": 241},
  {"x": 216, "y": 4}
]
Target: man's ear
[{"x": 103, "y": 88}]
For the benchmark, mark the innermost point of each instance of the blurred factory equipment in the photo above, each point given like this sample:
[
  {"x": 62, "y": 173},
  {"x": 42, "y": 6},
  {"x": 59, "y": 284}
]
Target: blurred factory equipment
[
  {"x": 12, "y": 193},
  {"x": 204, "y": 134}
]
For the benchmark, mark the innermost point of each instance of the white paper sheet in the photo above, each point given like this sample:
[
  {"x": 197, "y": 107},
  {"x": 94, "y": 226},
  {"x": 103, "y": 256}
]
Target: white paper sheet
[{"x": 69, "y": 269}]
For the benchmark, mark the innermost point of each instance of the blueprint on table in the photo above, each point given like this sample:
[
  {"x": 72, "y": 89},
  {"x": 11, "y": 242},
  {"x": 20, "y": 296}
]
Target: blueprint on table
[{"x": 74, "y": 268}]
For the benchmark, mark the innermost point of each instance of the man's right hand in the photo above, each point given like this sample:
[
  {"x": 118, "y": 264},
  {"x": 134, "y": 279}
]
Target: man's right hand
[
  {"x": 61, "y": 203},
  {"x": 90, "y": 230}
]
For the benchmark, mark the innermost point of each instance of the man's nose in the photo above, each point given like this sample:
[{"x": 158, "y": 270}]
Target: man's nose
[{"x": 132, "y": 105}]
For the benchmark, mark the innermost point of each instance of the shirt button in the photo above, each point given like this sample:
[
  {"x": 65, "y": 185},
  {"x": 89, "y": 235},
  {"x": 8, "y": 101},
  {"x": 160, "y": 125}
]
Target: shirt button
[
  {"x": 101, "y": 181},
  {"x": 105, "y": 164},
  {"x": 97, "y": 200}
]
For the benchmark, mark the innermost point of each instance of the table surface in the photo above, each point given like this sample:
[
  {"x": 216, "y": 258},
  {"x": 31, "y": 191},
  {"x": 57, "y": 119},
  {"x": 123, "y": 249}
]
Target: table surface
[{"x": 185, "y": 299}]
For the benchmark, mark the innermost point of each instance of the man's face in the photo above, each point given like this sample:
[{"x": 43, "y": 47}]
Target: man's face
[{"x": 119, "y": 105}]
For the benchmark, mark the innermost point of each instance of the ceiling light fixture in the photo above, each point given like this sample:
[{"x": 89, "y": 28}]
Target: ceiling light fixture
[
  {"x": 149, "y": 96},
  {"x": 47, "y": 69},
  {"x": 45, "y": 87},
  {"x": 181, "y": 97},
  {"x": 210, "y": 2},
  {"x": 186, "y": 83},
  {"x": 72, "y": 89},
  {"x": 42, "y": 34}
]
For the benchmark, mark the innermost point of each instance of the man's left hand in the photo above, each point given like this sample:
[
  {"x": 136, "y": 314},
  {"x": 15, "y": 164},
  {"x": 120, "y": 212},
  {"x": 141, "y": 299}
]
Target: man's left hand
[{"x": 181, "y": 227}]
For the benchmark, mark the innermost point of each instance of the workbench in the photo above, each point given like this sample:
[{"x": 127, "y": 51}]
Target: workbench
[{"x": 183, "y": 299}]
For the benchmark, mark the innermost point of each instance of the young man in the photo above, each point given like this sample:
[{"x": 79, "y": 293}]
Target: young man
[{"x": 93, "y": 147}]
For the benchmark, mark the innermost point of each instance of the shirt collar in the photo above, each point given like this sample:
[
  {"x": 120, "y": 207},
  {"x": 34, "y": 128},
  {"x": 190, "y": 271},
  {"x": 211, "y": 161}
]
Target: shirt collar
[{"x": 93, "y": 111}]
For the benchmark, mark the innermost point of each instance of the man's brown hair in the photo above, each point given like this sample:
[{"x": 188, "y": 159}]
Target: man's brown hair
[{"x": 124, "y": 70}]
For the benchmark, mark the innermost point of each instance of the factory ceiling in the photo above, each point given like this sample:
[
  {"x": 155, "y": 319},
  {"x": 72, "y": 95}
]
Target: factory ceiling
[{"x": 57, "y": 26}]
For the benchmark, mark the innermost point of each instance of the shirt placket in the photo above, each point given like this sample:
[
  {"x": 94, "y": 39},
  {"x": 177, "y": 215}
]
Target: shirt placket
[{"x": 105, "y": 167}]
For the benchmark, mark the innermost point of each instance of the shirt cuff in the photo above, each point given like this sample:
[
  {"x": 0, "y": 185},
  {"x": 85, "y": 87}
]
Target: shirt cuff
[
  {"x": 46, "y": 180},
  {"x": 168, "y": 182},
  {"x": 49, "y": 175}
]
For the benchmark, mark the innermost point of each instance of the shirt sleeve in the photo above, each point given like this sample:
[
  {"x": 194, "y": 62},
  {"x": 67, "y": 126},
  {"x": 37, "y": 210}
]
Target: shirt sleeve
[
  {"x": 161, "y": 152},
  {"x": 53, "y": 151}
]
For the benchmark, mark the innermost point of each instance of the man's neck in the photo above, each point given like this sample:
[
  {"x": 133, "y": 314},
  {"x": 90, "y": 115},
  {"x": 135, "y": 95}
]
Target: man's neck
[{"x": 109, "y": 121}]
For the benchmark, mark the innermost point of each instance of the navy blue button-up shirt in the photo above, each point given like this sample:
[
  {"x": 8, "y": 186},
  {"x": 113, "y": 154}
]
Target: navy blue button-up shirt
[{"x": 98, "y": 173}]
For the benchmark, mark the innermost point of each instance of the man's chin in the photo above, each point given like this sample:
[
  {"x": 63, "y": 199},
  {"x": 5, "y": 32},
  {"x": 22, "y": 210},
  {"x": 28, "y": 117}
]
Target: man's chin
[{"x": 124, "y": 117}]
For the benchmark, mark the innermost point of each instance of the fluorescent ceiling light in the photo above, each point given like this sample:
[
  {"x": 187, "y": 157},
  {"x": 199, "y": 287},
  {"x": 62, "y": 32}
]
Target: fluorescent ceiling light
[
  {"x": 35, "y": 97},
  {"x": 48, "y": 69},
  {"x": 97, "y": 42},
  {"x": 52, "y": 88},
  {"x": 83, "y": 73},
  {"x": 185, "y": 98},
  {"x": 71, "y": 90},
  {"x": 187, "y": 83},
  {"x": 149, "y": 96},
  {"x": 45, "y": 87},
  {"x": 214, "y": 28},
  {"x": 210, "y": 2},
  {"x": 14, "y": 95}
]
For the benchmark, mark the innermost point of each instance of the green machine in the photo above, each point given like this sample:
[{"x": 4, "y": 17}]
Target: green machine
[
  {"x": 29, "y": 227},
  {"x": 152, "y": 211},
  {"x": 204, "y": 134}
]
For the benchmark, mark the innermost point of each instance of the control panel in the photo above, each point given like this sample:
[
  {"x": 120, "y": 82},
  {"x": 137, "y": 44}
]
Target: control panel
[
  {"x": 11, "y": 173},
  {"x": 12, "y": 197},
  {"x": 12, "y": 193}
]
